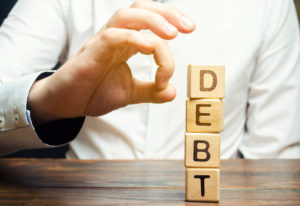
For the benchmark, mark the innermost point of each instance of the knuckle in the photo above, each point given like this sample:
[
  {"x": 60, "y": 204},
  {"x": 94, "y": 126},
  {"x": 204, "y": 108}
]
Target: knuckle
[
  {"x": 162, "y": 42},
  {"x": 131, "y": 36},
  {"x": 120, "y": 13},
  {"x": 168, "y": 69},
  {"x": 138, "y": 3},
  {"x": 171, "y": 68},
  {"x": 168, "y": 72},
  {"x": 89, "y": 43},
  {"x": 163, "y": 45},
  {"x": 85, "y": 46},
  {"x": 164, "y": 73},
  {"x": 155, "y": 17},
  {"x": 106, "y": 35}
]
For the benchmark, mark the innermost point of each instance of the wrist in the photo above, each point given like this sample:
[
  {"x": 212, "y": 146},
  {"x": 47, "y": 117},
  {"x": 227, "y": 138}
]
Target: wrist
[{"x": 40, "y": 101}]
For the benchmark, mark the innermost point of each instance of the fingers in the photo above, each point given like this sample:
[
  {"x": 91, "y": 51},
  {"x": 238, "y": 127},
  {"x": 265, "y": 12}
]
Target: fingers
[
  {"x": 146, "y": 92},
  {"x": 137, "y": 19},
  {"x": 118, "y": 38},
  {"x": 162, "y": 19},
  {"x": 145, "y": 43},
  {"x": 171, "y": 14},
  {"x": 165, "y": 62}
]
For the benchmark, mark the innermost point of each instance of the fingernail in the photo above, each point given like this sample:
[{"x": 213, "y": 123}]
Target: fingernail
[
  {"x": 170, "y": 28},
  {"x": 186, "y": 22}
]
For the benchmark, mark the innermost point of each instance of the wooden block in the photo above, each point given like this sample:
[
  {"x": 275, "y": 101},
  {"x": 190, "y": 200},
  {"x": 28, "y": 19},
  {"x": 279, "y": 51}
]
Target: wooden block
[
  {"x": 206, "y": 82},
  {"x": 204, "y": 115},
  {"x": 202, "y": 185},
  {"x": 202, "y": 150}
]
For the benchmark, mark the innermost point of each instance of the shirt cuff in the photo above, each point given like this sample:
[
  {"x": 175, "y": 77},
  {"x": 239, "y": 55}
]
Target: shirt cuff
[{"x": 17, "y": 131}]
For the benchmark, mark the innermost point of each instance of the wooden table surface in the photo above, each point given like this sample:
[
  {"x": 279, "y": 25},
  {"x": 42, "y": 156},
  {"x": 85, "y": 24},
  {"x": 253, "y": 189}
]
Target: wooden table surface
[{"x": 96, "y": 182}]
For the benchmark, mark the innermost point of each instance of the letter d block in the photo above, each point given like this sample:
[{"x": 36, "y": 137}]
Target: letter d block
[
  {"x": 206, "y": 82},
  {"x": 204, "y": 115},
  {"x": 202, "y": 185},
  {"x": 202, "y": 150}
]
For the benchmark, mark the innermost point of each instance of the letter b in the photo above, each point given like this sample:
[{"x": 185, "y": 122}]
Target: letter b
[{"x": 205, "y": 150}]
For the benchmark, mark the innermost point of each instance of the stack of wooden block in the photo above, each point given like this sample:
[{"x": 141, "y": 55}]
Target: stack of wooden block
[{"x": 204, "y": 122}]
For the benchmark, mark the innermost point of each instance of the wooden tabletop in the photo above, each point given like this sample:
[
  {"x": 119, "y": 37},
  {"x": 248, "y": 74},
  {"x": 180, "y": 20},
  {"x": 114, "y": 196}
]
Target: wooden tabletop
[{"x": 96, "y": 182}]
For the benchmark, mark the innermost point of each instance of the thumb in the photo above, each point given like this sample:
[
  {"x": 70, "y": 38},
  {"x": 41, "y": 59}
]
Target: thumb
[{"x": 147, "y": 92}]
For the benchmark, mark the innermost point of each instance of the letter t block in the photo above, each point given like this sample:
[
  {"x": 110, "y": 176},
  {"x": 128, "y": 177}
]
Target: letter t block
[{"x": 202, "y": 184}]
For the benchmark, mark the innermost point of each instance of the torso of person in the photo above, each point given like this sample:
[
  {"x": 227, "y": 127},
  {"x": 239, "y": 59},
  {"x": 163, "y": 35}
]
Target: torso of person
[{"x": 157, "y": 131}]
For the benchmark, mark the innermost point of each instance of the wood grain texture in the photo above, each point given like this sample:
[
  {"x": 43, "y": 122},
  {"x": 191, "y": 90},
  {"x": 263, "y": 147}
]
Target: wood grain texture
[
  {"x": 206, "y": 82},
  {"x": 95, "y": 182},
  {"x": 202, "y": 184},
  {"x": 202, "y": 150},
  {"x": 204, "y": 116}
]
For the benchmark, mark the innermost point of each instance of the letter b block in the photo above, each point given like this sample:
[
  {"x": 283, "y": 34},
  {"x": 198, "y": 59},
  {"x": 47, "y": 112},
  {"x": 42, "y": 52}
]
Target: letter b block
[
  {"x": 204, "y": 115},
  {"x": 202, "y": 150},
  {"x": 206, "y": 82},
  {"x": 202, "y": 184}
]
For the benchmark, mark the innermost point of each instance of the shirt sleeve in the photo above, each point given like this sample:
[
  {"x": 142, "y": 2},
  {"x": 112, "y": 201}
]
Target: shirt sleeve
[
  {"x": 273, "y": 113},
  {"x": 32, "y": 39}
]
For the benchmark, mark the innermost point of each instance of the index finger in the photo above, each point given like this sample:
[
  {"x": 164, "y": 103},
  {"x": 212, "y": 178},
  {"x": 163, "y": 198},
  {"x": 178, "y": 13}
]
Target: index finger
[{"x": 171, "y": 14}]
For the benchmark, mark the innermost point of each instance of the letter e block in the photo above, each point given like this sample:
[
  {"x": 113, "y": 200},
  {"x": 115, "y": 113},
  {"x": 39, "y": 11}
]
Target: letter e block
[
  {"x": 204, "y": 115},
  {"x": 202, "y": 150},
  {"x": 206, "y": 82},
  {"x": 202, "y": 184}
]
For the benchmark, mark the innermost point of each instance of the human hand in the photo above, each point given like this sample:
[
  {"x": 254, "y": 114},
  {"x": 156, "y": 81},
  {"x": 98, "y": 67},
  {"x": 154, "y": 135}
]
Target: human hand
[{"x": 98, "y": 80}]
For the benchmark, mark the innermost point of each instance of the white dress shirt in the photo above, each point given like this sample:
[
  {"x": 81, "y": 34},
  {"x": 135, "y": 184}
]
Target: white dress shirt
[{"x": 257, "y": 41}]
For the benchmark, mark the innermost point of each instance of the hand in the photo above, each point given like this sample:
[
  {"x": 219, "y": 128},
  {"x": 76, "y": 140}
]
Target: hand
[{"x": 98, "y": 80}]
